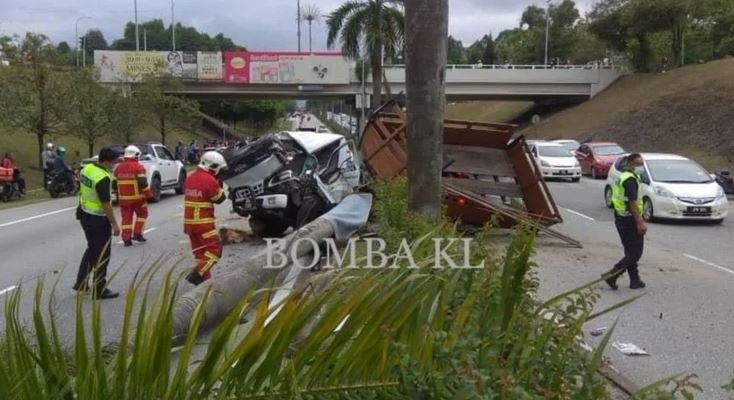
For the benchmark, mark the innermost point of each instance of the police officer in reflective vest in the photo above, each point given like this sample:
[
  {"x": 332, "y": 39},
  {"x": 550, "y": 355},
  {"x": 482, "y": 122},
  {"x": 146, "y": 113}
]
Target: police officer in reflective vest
[
  {"x": 98, "y": 221},
  {"x": 133, "y": 192},
  {"x": 202, "y": 191},
  {"x": 629, "y": 222}
]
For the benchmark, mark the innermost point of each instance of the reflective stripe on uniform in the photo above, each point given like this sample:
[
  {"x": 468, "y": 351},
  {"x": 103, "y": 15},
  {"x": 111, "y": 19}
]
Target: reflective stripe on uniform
[
  {"x": 210, "y": 234},
  {"x": 211, "y": 260},
  {"x": 199, "y": 221},
  {"x": 198, "y": 204},
  {"x": 218, "y": 195}
]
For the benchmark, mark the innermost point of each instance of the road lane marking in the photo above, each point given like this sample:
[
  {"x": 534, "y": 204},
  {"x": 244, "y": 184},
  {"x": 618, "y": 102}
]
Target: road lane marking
[
  {"x": 48, "y": 214},
  {"x": 710, "y": 264},
  {"x": 580, "y": 215},
  {"x": 144, "y": 232},
  {"x": 8, "y": 289}
]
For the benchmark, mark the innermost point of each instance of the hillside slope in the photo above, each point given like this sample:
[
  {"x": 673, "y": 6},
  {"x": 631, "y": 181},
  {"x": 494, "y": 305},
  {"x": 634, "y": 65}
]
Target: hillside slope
[{"x": 687, "y": 111}]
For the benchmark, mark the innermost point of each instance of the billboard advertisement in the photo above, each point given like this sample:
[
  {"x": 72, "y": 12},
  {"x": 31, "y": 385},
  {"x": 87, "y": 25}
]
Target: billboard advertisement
[
  {"x": 236, "y": 67},
  {"x": 286, "y": 68},
  {"x": 210, "y": 66},
  {"x": 131, "y": 66}
]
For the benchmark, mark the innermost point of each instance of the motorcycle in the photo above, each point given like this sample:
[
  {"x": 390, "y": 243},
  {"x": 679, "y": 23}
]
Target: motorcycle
[
  {"x": 288, "y": 179},
  {"x": 725, "y": 180},
  {"x": 57, "y": 186},
  {"x": 8, "y": 187}
]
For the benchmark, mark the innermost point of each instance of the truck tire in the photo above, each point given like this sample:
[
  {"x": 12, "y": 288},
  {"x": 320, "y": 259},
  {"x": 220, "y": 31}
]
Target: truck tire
[
  {"x": 155, "y": 187},
  {"x": 180, "y": 186},
  {"x": 267, "y": 228}
]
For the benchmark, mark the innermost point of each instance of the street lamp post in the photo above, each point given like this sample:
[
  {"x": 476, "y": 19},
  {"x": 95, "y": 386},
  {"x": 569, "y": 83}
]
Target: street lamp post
[
  {"x": 137, "y": 31},
  {"x": 76, "y": 39},
  {"x": 547, "y": 30},
  {"x": 173, "y": 28}
]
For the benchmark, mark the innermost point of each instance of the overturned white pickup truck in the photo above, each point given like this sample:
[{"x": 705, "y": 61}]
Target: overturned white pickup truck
[{"x": 288, "y": 179}]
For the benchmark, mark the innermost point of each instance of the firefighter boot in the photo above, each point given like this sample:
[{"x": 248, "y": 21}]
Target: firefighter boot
[
  {"x": 139, "y": 238},
  {"x": 195, "y": 278},
  {"x": 635, "y": 282},
  {"x": 611, "y": 277},
  {"x": 128, "y": 243}
]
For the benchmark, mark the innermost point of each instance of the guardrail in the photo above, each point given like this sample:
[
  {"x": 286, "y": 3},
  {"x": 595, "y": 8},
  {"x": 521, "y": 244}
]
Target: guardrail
[{"x": 511, "y": 66}]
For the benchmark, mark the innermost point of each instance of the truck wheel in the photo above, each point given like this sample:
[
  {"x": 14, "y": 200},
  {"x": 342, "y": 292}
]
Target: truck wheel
[
  {"x": 181, "y": 182},
  {"x": 312, "y": 207},
  {"x": 267, "y": 228},
  {"x": 156, "y": 188}
]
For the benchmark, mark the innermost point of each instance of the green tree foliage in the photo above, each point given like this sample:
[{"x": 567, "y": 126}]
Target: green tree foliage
[
  {"x": 88, "y": 108},
  {"x": 533, "y": 17},
  {"x": 164, "y": 108},
  {"x": 30, "y": 89},
  {"x": 377, "y": 25},
  {"x": 482, "y": 50},
  {"x": 255, "y": 113},
  {"x": 456, "y": 51},
  {"x": 159, "y": 38},
  {"x": 127, "y": 116}
]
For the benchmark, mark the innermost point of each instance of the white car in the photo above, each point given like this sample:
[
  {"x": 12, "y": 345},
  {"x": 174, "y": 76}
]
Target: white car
[
  {"x": 570, "y": 144},
  {"x": 555, "y": 161},
  {"x": 674, "y": 187}
]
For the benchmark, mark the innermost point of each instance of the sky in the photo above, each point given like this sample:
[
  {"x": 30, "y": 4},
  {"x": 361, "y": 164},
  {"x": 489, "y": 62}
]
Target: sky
[{"x": 255, "y": 24}]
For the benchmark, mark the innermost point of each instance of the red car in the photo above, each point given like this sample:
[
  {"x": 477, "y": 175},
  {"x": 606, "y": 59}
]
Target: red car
[{"x": 596, "y": 158}]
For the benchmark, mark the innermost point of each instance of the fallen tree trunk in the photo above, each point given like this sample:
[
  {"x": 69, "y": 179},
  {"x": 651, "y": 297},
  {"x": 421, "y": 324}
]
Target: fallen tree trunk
[{"x": 230, "y": 287}]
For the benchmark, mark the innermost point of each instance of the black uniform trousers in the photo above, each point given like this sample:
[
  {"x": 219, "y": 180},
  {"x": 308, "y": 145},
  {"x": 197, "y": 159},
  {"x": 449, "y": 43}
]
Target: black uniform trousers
[
  {"x": 98, "y": 231},
  {"x": 633, "y": 244}
]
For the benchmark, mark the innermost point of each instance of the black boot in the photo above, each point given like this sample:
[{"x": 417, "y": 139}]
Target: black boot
[
  {"x": 194, "y": 278},
  {"x": 611, "y": 277},
  {"x": 139, "y": 238},
  {"x": 637, "y": 283},
  {"x": 128, "y": 243}
]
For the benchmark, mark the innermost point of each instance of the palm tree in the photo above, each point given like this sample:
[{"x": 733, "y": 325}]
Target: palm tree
[
  {"x": 426, "y": 52},
  {"x": 379, "y": 24},
  {"x": 310, "y": 13}
]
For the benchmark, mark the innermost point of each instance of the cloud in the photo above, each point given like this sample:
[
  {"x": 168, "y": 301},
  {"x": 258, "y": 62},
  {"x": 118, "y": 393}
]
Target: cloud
[{"x": 258, "y": 25}]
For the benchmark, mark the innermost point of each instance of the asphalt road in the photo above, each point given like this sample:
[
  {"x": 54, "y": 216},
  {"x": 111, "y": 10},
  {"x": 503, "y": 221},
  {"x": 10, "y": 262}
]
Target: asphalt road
[{"x": 685, "y": 318}]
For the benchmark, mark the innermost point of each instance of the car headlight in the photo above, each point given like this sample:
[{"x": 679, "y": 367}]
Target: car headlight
[
  {"x": 544, "y": 163},
  {"x": 720, "y": 194},
  {"x": 663, "y": 192}
]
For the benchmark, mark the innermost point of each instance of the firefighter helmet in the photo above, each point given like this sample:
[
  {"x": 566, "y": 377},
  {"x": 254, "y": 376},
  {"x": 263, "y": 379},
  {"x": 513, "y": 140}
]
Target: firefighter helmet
[
  {"x": 213, "y": 161},
  {"x": 132, "y": 152}
]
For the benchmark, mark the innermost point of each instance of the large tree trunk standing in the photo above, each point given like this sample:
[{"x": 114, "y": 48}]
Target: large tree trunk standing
[
  {"x": 376, "y": 61},
  {"x": 426, "y": 46}
]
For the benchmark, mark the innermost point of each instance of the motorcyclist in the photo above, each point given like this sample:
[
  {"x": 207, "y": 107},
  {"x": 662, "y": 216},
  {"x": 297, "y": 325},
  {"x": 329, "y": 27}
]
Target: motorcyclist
[
  {"x": 18, "y": 180},
  {"x": 64, "y": 173}
]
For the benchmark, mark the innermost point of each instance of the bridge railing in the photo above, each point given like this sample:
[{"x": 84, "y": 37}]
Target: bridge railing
[{"x": 521, "y": 66}]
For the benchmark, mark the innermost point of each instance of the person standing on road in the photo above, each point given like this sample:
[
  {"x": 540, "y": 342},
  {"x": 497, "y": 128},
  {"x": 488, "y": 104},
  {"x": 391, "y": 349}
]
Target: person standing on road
[
  {"x": 98, "y": 221},
  {"x": 47, "y": 157},
  {"x": 133, "y": 192},
  {"x": 202, "y": 191},
  {"x": 629, "y": 222}
]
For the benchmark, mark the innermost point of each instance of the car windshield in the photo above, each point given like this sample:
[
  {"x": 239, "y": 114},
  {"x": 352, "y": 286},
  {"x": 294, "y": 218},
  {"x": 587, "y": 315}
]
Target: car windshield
[
  {"x": 570, "y": 146},
  {"x": 554, "y": 151},
  {"x": 608, "y": 150},
  {"x": 677, "y": 171}
]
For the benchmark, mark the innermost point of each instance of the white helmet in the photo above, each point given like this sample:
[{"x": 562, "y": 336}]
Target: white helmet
[
  {"x": 132, "y": 152},
  {"x": 50, "y": 146},
  {"x": 213, "y": 161}
]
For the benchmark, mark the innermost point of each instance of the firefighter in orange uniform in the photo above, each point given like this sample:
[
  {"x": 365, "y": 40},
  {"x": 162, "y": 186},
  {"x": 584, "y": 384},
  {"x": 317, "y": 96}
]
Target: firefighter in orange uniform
[
  {"x": 203, "y": 190},
  {"x": 133, "y": 193}
]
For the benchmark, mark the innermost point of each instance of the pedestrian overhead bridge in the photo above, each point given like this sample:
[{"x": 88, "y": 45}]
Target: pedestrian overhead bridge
[{"x": 493, "y": 82}]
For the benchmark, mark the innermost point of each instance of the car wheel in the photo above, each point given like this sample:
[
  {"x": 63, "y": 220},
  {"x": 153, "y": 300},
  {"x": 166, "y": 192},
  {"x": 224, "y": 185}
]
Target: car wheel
[
  {"x": 594, "y": 175},
  {"x": 576, "y": 180},
  {"x": 267, "y": 228},
  {"x": 156, "y": 188},
  {"x": 648, "y": 213},
  {"x": 608, "y": 197},
  {"x": 181, "y": 183},
  {"x": 717, "y": 222}
]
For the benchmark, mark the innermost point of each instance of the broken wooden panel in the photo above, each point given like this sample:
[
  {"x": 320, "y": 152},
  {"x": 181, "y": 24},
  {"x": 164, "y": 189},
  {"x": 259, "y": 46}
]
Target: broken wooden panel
[{"x": 479, "y": 158}]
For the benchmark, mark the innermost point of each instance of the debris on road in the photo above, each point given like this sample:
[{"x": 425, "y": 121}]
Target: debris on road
[
  {"x": 599, "y": 331},
  {"x": 235, "y": 236},
  {"x": 486, "y": 172},
  {"x": 629, "y": 349}
]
